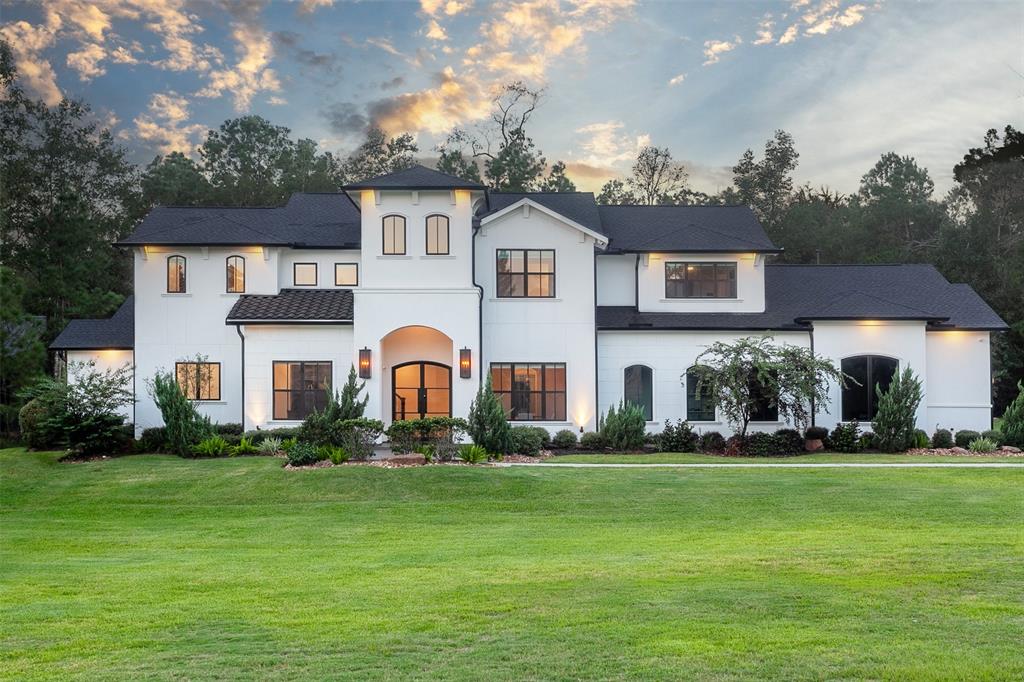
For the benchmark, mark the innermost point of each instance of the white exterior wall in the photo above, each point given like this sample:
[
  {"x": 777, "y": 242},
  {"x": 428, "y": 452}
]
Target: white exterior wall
[
  {"x": 171, "y": 328},
  {"x": 749, "y": 284},
  {"x": 324, "y": 259},
  {"x": 266, "y": 343},
  {"x": 616, "y": 279},
  {"x": 959, "y": 381},
  {"x": 669, "y": 354},
  {"x": 104, "y": 360},
  {"x": 559, "y": 329}
]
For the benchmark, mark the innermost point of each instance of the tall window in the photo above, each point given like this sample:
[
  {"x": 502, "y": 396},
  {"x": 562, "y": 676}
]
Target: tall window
[
  {"x": 304, "y": 274},
  {"x": 300, "y": 388},
  {"x": 700, "y": 280},
  {"x": 526, "y": 273},
  {"x": 638, "y": 388},
  {"x": 765, "y": 407},
  {"x": 530, "y": 392},
  {"x": 236, "y": 275},
  {"x": 860, "y": 402},
  {"x": 437, "y": 235},
  {"x": 199, "y": 380},
  {"x": 394, "y": 235},
  {"x": 346, "y": 274},
  {"x": 700, "y": 405},
  {"x": 175, "y": 274}
]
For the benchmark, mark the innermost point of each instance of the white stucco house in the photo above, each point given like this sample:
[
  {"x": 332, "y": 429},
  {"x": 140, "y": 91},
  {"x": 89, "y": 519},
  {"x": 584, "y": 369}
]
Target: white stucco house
[{"x": 427, "y": 283}]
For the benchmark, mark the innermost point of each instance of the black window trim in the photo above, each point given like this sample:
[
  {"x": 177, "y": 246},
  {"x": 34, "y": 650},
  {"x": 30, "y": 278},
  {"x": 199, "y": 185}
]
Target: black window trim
[
  {"x": 869, "y": 385},
  {"x": 336, "y": 273},
  {"x": 731, "y": 264},
  {"x": 543, "y": 390},
  {"x": 302, "y": 369},
  {"x": 227, "y": 284},
  {"x": 197, "y": 364},
  {"x": 691, "y": 382},
  {"x": 447, "y": 236},
  {"x": 316, "y": 274},
  {"x": 405, "y": 235},
  {"x": 648, "y": 367},
  {"x": 184, "y": 273},
  {"x": 526, "y": 273},
  {"x": 771, "y": 409}
]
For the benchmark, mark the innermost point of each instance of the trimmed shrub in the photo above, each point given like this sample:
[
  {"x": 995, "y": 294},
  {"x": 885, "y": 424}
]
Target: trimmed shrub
[
  {"x": 441, "y": 434},
  {"x": 942, "y": 438},
  {"x": 592, "y": 440},
  {"x": 756, "y": 445},
  {"x": 357, "y": 437},
  {"x": 270, "y": 446},
  {"x": 993, "y": 435},
  {"x": 245, "y": 447},
  {"x": 789, "y": 442},
  {"x": 303, "y": 454},
  {"x": 564, "y": 439},
  {"x": 895, "y": 421},
  {"x": 214, "y": 446},
  {"x": 816, "y": 433},
  {"x": 920, "y": 439},
  {"x": 678, "y": 437},
  {"x": 964, "y": 438},
  {"x": 472, "y": 454},
  {"x": 153, "y": 439},
  {"x": 845, "y": 437},
  {"x": 1012, "y": 423},
  {"x": 487, "y": 425},
  {"x": 402, "y": 436},
  {"x": 32, "y": 420},
  {"x": 526, "y": 440},
  {"x": 623, "y": 429},
  {"x": 545, "y": 437},
  {"x": 228, "y": 429},
  {"x": 185, "y": 427},
  {"x": 867, "y": 441},
  {"x": 982, "y": 445},
  {"x": 711, "y": 443},
  {"x": 736, "y": 446}
]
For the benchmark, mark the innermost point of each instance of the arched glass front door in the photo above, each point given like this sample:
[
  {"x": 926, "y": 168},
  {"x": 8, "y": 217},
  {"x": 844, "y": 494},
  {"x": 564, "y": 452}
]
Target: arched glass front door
[{"x": 421, "y": 389}]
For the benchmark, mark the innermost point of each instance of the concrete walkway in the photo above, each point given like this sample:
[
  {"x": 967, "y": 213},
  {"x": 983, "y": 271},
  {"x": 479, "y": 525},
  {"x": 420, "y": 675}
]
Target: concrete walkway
[{"x": 781, "y": 465}]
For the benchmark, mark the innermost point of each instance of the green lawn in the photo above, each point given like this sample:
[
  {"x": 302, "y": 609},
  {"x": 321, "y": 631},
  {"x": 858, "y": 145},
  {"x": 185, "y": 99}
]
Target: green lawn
[
  {"x": 693, "y": 458},
  {"x": 157, "y": 567}
]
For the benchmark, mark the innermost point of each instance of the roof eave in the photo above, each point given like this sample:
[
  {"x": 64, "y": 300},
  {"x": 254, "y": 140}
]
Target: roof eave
[{"x": 236, "y": 321}]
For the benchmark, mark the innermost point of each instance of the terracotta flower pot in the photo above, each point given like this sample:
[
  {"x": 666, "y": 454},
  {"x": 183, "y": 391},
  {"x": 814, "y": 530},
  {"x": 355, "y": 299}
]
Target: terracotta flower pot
[{"x": 813, "y": 445}]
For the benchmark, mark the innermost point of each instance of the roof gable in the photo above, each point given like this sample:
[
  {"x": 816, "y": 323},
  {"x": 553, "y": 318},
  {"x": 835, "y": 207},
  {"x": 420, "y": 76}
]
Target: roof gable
[
  {"x": 417, "y": 177},
  {"x": 528, "y": 201}
]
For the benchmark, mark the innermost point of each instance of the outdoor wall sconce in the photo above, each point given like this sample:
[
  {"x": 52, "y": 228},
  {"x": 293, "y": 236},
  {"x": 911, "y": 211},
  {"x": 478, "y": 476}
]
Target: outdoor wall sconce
[
  {"x": 465, "y": 363},
  {"x": 365, "y": 364}
]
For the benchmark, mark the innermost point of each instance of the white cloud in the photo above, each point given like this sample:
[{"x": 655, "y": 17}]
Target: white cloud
[
  {"x": 165, "y": 124},
  {"x": 605, "y": 145},
  {"x": 435, "y": 31},
  {"x": 764, "y": 31},
  {"x": 27, "y": 44},
  {"x": 790, "y": 35},
  {"x": 277, "y": 101},
  {"x": 87, "y": 61},
  {"x": 251, "y": 73},
  {"x": 676, "y": 80},
  {"x": 714, "y": 49},
  {"x": 449, "y": 7},
  {"x": 309, "y": 6}
]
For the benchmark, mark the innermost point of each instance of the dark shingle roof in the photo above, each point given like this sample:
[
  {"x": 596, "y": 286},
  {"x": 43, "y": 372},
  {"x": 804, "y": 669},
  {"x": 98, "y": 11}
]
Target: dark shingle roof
[
  {"x": 416, "y": 177},
  {"x": 294, "y": 305},
  {"x": 115, "y": 332},
  {"x": 310, "y": 220},
  {"x": 684, "y": 228},
  {"x": 796, "y": 294},
  {"x": 579, "y": 207}
]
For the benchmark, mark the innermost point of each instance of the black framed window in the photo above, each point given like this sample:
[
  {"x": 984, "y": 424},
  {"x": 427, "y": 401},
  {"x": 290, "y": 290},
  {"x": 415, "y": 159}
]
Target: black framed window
[
  {"x": 300, "y": 388},
  {"x": 638, "y": 388},
  {"x": 765, "y": 407},
  {"x": 860, "y": 401},
  {"x": 530, "y": 391},
  {"x": 199, "y": 380},
  {"x": 437, "y": 235},
  {"x": 526, "y": 273},
  {"x": 235, "y": 275},
  {"x": 700, "y": 280},
  {"x": 304, "y": 274},
  {"x": 394, "y": 235},
  {"x": 346, "y": 274},
  {"x": 700, "y": 405},
  {"x": 176, "y": 274}
]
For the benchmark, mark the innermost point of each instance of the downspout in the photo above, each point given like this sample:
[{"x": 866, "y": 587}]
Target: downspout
[
  {"x": 597, "y": 390},
  {"x": 480, "y": 312},
  {"x": 636, "y": 284},
  {"x": 238, "y": 330}
]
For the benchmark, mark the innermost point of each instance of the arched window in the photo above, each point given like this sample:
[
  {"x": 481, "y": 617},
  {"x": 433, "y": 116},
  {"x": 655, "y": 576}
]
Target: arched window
[
  {"x": 638, "y": 388},
  {"x": 766, "y": 408},
  {"x": 236, "y": 275},
  {"x": 700, "y": 406},
  {"x": 437, "y": 235},
  {"x": 394, "y": 235},
  {"x": 175, "y": 274},
  {"x": 860, "y": 402}
]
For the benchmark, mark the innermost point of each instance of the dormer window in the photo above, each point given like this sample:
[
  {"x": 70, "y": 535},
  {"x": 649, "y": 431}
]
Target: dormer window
[
  {"x": 700, "y": 280},
  {"x": 394, "y": 235},
  {"x": 175, "y": 274},
  {"x": 235, "y": 275},
  {"x": 437, "y": 235}
]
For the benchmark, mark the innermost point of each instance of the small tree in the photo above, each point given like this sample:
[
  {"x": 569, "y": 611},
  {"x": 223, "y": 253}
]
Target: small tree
[
  {"x": 738, "y": 374},
  {"x": 897, "y": 412},
  {"x": 487, "y": 424},
  {"x": 349, "y": 405},
  {"x": 1012, "y": 424},
  {"x": 185, "y": 426}
]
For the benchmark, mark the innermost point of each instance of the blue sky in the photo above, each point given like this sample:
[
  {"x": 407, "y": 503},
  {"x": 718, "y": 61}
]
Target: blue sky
[{"x": 850, "y": 79}]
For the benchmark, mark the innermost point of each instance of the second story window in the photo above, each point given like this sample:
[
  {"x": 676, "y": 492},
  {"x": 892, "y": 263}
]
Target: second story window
[
  {"x": 304, "y": 274},
  {"x": 437, "y": 235},
  {"x": 394, "y": 235},
  {"x": 175, "y": 274},
  {"x": 700, "y": 280},
  {"x": 346, "y": 274},
  {"x": 526, "y": 273},
  {"x": 236, "y": 275}
]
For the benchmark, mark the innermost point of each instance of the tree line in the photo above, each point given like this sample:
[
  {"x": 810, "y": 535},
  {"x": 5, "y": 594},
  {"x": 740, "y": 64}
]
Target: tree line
[{"x": 68, "y": 191}]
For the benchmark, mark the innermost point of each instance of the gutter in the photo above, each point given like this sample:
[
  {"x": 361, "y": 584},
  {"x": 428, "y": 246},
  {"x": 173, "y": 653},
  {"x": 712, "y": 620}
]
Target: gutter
[{"x": 238, "y": 330}]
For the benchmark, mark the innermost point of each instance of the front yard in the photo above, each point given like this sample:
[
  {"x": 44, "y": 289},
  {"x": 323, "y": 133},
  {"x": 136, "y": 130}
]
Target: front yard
[{"x": 154, "y": 566}]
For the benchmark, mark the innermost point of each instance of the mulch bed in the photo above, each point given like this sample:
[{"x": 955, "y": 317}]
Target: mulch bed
[{"x": 1005, "y": 451}]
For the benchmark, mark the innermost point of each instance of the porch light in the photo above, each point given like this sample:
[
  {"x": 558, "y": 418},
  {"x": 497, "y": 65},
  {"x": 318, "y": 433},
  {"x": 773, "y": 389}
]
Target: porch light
[
  {"x": 365, "y": 364},
  {"x": 465, "y": 363}
]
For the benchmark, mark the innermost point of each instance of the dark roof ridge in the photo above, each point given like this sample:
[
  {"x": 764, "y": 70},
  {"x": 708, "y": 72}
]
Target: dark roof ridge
[
  {"x": 675, "y": 205},
  {"x": 852, "y": 265}
]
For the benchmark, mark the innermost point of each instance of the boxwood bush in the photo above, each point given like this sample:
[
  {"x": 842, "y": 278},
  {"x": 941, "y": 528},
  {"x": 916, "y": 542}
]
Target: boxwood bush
[
  {"x": 942, "y": 438},
  {"x": 963, "y": 438},
  {"x": 526, "y": 440},
  {"x": 564, "y": 439},
  {"x": 678, "y": 437}
]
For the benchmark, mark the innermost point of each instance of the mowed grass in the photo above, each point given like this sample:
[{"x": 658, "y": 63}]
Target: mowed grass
[
  {"x": 162, "y": 568},
  {"x": 817, "y": 458}
]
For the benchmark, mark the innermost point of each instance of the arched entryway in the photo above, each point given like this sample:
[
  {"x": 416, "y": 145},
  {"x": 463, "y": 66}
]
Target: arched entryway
[{"x": 421, "y": 389}]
